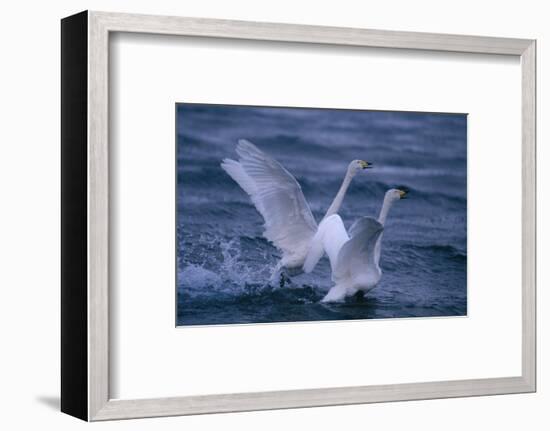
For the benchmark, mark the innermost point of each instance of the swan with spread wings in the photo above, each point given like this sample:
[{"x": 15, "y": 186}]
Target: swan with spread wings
[{"x": 278, "y": 197}]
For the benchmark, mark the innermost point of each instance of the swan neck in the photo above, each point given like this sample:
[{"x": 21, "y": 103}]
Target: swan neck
[
  {"x": 385, "y": 209},
  {"x": 339, "y": 198}
]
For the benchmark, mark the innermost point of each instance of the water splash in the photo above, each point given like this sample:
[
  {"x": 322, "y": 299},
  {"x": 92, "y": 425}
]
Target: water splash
[{"x": 233, "y": 273}]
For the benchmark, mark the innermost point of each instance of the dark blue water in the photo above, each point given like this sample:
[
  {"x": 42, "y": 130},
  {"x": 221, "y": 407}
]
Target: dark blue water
[{"x": 223, "y": 261}]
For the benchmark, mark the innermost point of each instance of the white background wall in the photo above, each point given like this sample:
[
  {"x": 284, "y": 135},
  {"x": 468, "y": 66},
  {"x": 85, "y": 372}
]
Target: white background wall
[{"x": 29, "y": 216}]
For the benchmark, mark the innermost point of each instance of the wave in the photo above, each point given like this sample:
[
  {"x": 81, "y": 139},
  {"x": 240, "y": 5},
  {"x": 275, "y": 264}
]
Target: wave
[
  {"x": 441, "y": 249},
  {"x": 425, "y": 256},
  {"x": 375, "y": 190},
  {"x": 212, "y": 179},
  {"x": 258, "y": 295},
  {"x": 242, "y": 266}
]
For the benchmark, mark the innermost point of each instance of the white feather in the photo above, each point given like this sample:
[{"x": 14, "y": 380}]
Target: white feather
[
  {"x": 331, "y": 235},
  {"x": 289, "y": 223},
  {"x": 358, "y": 254},
  {"x": 352, "y": 259}
]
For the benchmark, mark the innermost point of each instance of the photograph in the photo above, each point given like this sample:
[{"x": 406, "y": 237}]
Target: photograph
[{"x": 295, "y": 214}]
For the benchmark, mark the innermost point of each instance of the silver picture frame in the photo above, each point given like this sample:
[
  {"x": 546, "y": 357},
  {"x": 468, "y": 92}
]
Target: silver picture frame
[{"x": 85, "y": 215}]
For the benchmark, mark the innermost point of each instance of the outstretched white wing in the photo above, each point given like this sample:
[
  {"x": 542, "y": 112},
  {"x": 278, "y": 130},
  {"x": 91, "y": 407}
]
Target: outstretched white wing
[
  {"x": 289, "y": 223},
  {"x": 358, "y": 252}
]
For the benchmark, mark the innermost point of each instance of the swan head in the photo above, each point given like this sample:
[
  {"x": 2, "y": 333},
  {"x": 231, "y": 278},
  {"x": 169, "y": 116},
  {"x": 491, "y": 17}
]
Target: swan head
[
  {"x": 396, "y": 194},
  {"x": 358, "y": 165}
]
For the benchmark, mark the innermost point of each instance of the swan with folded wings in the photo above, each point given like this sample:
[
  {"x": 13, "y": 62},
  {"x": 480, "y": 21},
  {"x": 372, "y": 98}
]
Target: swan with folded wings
[
  {"x": 278, "y": 197},
  {"x": 354, "y": 256}
]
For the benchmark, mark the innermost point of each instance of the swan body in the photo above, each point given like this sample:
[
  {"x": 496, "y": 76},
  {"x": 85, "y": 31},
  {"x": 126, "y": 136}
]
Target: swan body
[
  {"x": 354, "y": 256},
  {"x": 351, "y": 255},
  {"x": 278, "y": 197}
]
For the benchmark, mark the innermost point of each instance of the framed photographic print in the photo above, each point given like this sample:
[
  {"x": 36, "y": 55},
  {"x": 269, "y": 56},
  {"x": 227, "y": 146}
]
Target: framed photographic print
[{"x": 261, "y": 216}]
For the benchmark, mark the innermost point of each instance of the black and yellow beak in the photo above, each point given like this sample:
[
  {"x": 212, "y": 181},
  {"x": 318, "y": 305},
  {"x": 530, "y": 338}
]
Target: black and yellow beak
[
  {"x": 403, "y": 194},
  {"x": 365, "y": 165}
]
